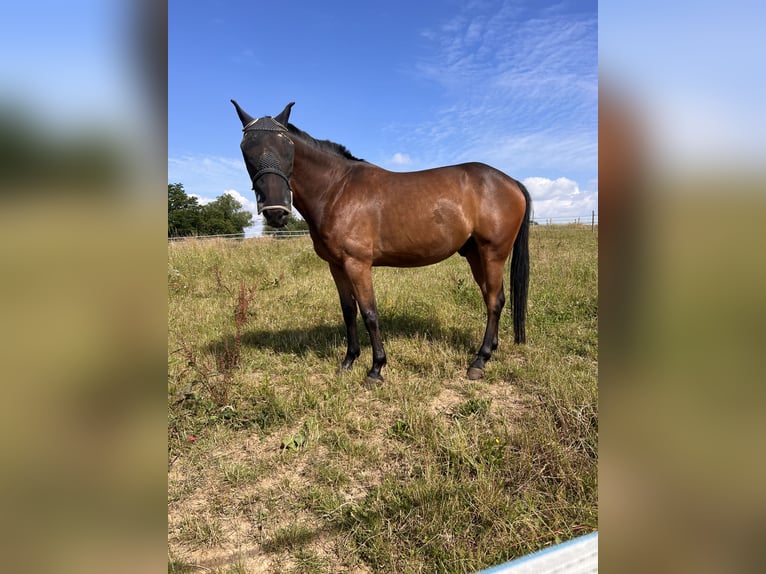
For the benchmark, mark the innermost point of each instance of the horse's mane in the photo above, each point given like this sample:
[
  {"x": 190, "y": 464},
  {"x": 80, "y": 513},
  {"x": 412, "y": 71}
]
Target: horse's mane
[{"x": 325, "y": 145}]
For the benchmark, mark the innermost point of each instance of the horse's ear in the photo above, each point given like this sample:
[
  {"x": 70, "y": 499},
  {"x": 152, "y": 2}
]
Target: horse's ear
[
  {"x": 284, "y": 116},
  {"x": 244, "y": 117}
]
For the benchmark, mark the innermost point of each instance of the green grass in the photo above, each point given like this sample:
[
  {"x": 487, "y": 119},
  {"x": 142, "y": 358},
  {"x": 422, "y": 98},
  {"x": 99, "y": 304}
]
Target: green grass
[{"x": 278, "y": 462}]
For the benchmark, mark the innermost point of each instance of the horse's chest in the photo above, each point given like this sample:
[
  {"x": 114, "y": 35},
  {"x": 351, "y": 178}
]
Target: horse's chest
[
  {"x": 321, "y": 249},
  {"x": 324, "y": 250}
]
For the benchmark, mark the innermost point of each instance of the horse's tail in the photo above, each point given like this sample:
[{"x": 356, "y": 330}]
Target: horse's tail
[{"x": 520, "y": 273}]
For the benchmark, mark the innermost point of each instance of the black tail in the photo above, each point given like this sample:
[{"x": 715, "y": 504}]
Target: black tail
[{"x": 520, "y": 273}]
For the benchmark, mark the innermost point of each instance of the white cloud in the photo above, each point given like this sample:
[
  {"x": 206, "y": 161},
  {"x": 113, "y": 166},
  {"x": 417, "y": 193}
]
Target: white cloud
[
  {"x": 544, "y": 151},
  {"x": 246, "y": 203},
  {"x": 201, "y": 200},
  {"x": 560, "y": 199},
  {"x": 527, "y": 106},
  {"x": 251, "y": 206},
  {"x": 400, "y": 159},
  {"x": 551, "y": 57}
]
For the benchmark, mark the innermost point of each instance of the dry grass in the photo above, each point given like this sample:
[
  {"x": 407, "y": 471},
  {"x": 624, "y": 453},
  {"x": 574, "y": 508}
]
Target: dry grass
[{"x": 279, "y": 463}]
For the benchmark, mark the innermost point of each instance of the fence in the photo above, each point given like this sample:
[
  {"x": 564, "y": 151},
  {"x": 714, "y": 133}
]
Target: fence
[
  {"x": 222, "y": 236},
  {"x": 584, "y": 220},
  {"x": 277, "y": 233},
  {"x": 590, "y": 219}
]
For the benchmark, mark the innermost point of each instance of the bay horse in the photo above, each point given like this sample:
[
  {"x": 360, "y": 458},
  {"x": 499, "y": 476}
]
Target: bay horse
[{"x": 360, "y": 215}]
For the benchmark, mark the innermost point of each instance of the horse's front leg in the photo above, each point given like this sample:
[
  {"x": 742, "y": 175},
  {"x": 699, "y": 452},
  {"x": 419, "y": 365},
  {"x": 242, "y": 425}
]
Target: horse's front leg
[
  {"x": 348, "y": 306},
  {"x": 360, "y": 275}
]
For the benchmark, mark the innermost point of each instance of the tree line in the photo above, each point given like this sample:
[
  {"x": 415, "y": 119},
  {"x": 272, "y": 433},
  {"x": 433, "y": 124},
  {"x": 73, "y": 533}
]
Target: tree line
[{"x": 186, "y": 217}]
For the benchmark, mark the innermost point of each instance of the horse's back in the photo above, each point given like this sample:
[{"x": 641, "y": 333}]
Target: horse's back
[{"x": 461, "y": 201}]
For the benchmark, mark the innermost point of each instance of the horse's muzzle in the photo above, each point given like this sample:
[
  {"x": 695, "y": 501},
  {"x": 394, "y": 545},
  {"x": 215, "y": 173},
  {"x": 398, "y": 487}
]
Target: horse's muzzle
[{"x": 276, "y": 216}]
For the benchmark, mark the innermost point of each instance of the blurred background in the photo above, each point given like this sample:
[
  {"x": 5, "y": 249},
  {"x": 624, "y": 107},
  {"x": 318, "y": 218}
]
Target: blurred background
[
  {"x": 83, "y": 305},
  {"x": 82, "y": 286},
  {"x": 682, "y": 159}
]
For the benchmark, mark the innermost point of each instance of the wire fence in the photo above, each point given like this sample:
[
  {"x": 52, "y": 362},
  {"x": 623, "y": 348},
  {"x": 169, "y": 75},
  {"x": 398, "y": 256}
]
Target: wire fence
[
  {"x": 591, "y": 219},
  {"x": 221, "y": 236},
  {"x": 585, "y": 221}
]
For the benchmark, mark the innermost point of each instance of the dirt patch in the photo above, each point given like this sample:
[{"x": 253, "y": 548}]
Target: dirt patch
[
  {"x": 506, "y": 399},
  {"x": 446, "y": 401},
  {"x": 244, "y": 504}
]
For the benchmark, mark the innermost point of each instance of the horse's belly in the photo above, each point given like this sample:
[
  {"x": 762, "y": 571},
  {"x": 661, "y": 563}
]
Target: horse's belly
[
  {"x": 409, "y": 260},
  {"x": 417, "y": 249}
]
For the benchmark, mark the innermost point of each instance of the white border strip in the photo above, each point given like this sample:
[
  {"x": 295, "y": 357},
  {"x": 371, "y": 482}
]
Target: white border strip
[{"x": 577, "y": 556}]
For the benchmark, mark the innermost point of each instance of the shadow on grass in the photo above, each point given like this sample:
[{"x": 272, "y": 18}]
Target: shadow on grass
[
  {"x": 329, "y": 341},
  {"x": 293, "y": 539}
]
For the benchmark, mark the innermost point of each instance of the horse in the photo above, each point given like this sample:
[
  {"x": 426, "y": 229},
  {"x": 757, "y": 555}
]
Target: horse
[{"x": 360, "y": 215}]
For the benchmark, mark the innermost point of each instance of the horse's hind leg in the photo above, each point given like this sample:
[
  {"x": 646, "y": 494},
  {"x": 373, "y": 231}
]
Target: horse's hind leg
[
  {"x": 471, "y": 253},
  {"x": 488, "y": 273},
  {"x": 348, "y": 306}
]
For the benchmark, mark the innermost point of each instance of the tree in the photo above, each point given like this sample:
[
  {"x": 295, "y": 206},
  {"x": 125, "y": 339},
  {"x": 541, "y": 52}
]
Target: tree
[
  {"x": 186, "y": 217},
  {"x": 183, "y": 212},
  {"x": 225, "y": 216},
  {"x": 293, "y": 224}
]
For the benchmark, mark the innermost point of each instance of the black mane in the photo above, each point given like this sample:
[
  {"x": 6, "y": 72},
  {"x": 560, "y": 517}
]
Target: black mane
[{"x": 325, "y": 145}]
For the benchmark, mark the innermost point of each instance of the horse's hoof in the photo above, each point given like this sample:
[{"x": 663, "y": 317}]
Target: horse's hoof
[
  {"x": 372, "y": 382},
  {"x": 475, "y": 374}
]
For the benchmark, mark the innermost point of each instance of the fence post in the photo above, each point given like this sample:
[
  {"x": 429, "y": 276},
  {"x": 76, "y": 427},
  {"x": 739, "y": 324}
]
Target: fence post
[{"x": 592, "y": 220}]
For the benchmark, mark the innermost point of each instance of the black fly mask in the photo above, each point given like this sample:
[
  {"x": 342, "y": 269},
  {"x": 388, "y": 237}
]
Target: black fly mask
[{"x": 269, "y": 153}]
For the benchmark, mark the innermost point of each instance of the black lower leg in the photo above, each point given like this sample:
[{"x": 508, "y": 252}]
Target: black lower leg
[
  {"x": 352, "y": 337},
  {"x": 499, "y": 309},
  {"x": 476, "y": 370},
  {"x": 370, "y": 317},
  {"x": 490, "y": 341},
  {"x": 349, "y": 307}
]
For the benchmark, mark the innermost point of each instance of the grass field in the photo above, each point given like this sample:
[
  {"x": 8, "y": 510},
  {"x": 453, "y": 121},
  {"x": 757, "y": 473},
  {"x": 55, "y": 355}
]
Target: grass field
[{"x": 278, "y": 462}]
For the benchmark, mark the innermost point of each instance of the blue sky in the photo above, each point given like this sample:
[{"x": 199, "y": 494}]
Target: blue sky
[
  {"x": 405, "y": 85},
  {"x": 696, "y": 82},
  {"x": 71, "y": 62}
]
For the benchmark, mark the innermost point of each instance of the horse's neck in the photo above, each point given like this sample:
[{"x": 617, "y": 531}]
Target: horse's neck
[{"x": 316, "y": 178}]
